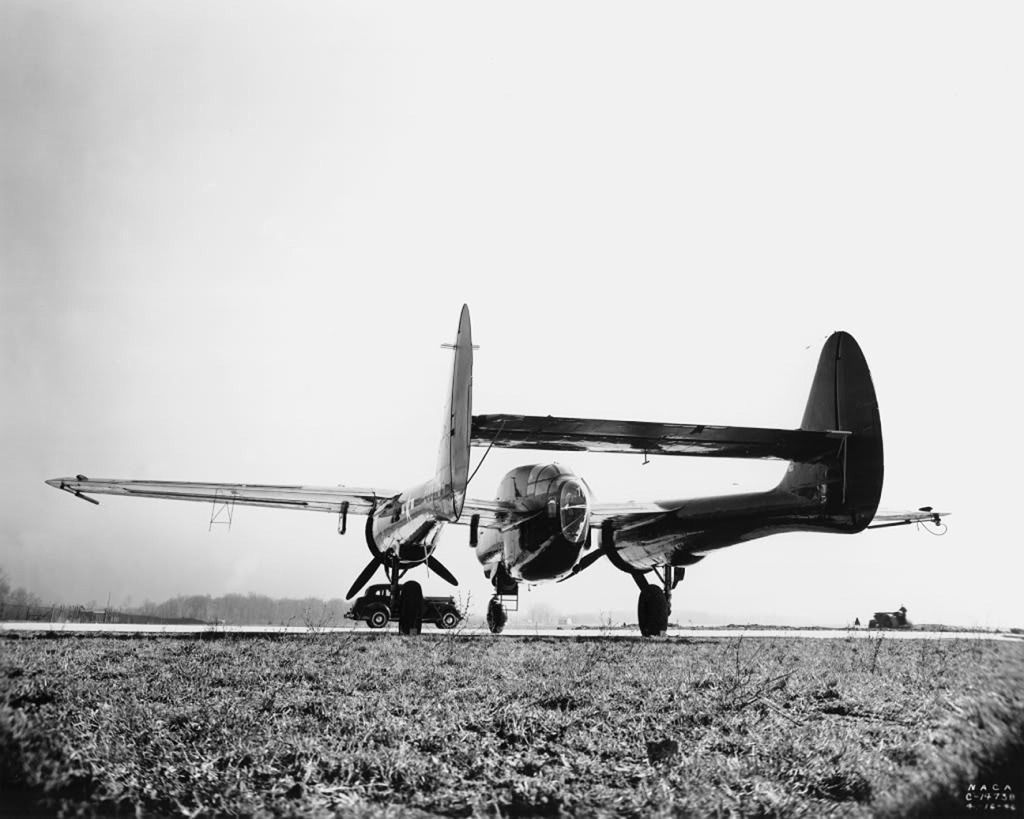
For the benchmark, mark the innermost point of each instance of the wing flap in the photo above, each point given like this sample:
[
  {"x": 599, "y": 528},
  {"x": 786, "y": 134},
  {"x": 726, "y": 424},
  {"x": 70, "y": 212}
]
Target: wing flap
[
  {"x": 307, "y": 498},
  {"x": 644, "y": 437}
]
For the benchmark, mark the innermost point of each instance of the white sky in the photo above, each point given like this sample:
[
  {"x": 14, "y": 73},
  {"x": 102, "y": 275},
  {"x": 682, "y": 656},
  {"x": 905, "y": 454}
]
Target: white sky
[{"x": 234, "y": 235}]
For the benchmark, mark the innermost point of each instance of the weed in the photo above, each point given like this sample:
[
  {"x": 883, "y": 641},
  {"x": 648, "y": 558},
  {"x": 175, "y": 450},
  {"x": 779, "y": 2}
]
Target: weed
[{"x": 321, "y": 723}]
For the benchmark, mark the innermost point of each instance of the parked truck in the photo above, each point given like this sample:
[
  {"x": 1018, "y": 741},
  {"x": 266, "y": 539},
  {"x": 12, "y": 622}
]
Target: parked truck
[
  {"x": 377, "y": 609},
  {"x": 890, "y": 619}
]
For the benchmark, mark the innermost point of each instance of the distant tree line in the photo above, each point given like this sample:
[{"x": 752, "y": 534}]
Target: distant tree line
[
  {"x": 250, "y": 610},
  {"x": 16, "y": 597},
  {"x": 231, "y": 609}
]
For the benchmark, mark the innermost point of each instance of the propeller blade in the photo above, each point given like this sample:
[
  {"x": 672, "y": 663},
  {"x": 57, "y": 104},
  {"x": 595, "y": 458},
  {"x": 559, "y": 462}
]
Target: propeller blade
[
  {"x": 587, "y": 561},
  {"x": 364, "y": 577},
  {"x": 438, "y": 568}
]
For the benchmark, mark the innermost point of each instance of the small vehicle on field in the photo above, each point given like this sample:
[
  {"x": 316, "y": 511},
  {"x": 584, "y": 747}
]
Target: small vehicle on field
[
  {"x": 890, "y": 619},
  {"x": 377, "y": 609}
]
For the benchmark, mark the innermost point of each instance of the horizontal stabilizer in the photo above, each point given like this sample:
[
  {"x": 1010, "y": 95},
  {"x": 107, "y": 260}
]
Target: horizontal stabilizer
[{"x": 643, "y": 437}]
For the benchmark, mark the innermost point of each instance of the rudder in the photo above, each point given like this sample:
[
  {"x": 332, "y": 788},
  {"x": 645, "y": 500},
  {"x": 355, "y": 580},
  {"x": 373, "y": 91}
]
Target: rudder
[
  {"x": 848, "y": 482},
  {"x": 453, "y": 456}
]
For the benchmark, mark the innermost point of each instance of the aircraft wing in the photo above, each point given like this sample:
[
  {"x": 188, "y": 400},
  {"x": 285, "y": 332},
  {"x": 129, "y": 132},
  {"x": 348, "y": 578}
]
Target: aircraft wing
[
  {"x": 885, "y": 518},
  {"x": 492, "y": 514},
  {"x": 644, "y": 437},
  {"x": 632, "y": 513},
  {"x": 629, "y": 512},
  {"x": 663, "y": 518},
  {"x": 502, "y": 515},
  {"x": 307, "y": 498}
]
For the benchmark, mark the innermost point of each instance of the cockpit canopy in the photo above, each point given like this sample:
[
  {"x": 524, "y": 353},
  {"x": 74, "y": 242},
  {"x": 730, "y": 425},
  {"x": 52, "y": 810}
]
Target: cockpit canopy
[
  {"x": 554, "y": 489},
  {"x": 542, "y": 480},
  {"x": 574, "y": 511}
]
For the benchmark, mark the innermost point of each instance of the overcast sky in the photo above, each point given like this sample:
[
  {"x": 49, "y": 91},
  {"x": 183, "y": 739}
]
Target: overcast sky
[{"x": 234, "y": 235}]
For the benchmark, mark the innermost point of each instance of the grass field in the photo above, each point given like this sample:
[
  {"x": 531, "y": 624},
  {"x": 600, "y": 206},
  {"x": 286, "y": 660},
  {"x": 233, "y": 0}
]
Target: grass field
[{"x": 462, "y": 726}]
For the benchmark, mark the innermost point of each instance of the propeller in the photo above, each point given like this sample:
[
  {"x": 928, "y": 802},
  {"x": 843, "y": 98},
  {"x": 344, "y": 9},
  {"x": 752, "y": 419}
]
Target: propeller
[
  {"x": 387, "y": 560},
  {"x": 397, "y": 564},
  {"x": 438, "y": 568},
  {"x": 592, "y": 557},
  {"x": 606, "y": 548},
  {"x": 587, "y": 561},
  {"x": 364, "y": 576}
]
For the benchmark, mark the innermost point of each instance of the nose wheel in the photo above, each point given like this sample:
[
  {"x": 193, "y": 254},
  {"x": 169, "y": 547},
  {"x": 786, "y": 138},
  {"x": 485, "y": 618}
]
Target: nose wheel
[
  {"x": 506, "y": 599},
  {"x": 496, "y": 616}
]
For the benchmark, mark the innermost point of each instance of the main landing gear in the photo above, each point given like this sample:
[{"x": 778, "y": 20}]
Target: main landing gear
[
  {"x": 506, "y": 599},
  {"x": 655, "y": 603},
  {"x": 410, "y": 608}
]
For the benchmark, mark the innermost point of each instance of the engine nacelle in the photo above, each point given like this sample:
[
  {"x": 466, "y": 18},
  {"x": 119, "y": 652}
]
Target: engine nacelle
[
  {"x": 553, "y": 507},
  {"x": 408, "y": 525}
]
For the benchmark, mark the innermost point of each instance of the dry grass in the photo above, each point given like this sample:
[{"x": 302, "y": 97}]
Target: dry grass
[{"x": 460, "y": 726}]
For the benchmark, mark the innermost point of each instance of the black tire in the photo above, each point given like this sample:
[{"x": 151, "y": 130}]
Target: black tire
[
  {"x": 496, "y": 616},
  {"x": 377, "y": 617},
  {"x": 448, "y": 620},
  {"x": 410, "y": 609},
  {"x": 652, "y": 611}
]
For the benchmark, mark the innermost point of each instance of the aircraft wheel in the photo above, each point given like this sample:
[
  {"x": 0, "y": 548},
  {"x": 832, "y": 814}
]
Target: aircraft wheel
[
  {"x": 652, "y": 611},
  {"x": 496, "y": 616},
  {"x": 410, "y": 609},
  {"x": 448, "y": 620},
  {"x": 378, "y": 618}
]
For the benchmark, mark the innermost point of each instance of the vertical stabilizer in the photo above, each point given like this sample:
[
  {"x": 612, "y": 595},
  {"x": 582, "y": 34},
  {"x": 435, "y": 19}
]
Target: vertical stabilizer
[
  {"x": 847, "y": 483},
  {"x": 453, "y": 457}
]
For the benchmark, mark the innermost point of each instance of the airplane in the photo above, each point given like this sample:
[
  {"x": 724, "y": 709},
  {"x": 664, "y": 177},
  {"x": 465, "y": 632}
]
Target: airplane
[{"x": 545, "y": 524}]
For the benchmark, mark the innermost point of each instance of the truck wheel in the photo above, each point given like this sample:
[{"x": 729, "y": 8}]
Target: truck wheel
[
  {"x": 448, "y": 620},
  {"x": 410, "y": 609},
  {"x": 378, "y": 618}
]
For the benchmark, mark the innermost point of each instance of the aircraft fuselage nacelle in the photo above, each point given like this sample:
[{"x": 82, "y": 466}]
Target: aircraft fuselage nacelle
[
  {"x": 554, "y": 505},
  {"x": 409, "y": 524}
]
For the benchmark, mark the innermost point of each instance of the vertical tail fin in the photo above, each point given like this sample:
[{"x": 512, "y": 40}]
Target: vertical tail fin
[
  {"x": 453, "y": 457},
  {"x": 848, "y": 483}
]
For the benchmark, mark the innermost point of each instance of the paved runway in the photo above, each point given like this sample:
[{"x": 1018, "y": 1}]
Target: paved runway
[{"x": 562, "y": 633}]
